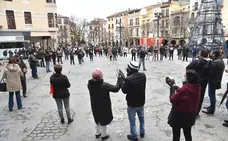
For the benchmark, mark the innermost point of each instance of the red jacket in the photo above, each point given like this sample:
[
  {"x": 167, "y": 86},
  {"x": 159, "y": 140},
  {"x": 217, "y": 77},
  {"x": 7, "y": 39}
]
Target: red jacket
[{"x": 186, "y": 98}]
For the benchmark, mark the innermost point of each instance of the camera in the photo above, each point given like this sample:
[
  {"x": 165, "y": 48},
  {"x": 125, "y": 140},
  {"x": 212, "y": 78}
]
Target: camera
[{"x": 169, "y": 81}]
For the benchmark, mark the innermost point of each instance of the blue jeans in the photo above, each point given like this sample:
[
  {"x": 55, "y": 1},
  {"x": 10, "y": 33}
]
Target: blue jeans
[
  {"x": 131, "y": 115},
  {"x": 18, "y": 98},
  {"x": 227, "y": 103},
  {"x": 142, "y": 61},
  {"x": 212, "y": 96},
  {"x": 47, "y": 66},
  {"x": 34, "y": 71}
]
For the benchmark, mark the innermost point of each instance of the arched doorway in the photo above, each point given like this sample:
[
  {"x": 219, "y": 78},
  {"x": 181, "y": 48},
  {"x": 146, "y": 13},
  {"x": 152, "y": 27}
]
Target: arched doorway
[
  {"x": 182, "y": 42},
  {"x": 173, "y": 42}
]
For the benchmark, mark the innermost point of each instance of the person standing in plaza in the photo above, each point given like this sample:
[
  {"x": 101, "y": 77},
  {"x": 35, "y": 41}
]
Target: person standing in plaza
[
  {"x": 91, "y": 54},
  {"x": 179, "y": 52},
  {"x": 33, "y": 64},
  {"x": 72, "y": 57},
  {"x": 162, "y": 52},
  {"x": 12, "y": 74},
  {"x": 185, "y": 101},
  {"x": 155, "y": 56},
  {"x": 217, "y": 67},
  {"x": 61, "y": 94},
  {"x": 22, "y": 65},
  {"x": 47, "y": 58},
  {"x": 134, "y": 87},
  {"x": 133, "y": 54},
  {"x": 185, "y": 53},
  {"x": 201, "y": 66},
  {"x": 59, "y": 56},
  {"x": 101, "y": 102},
  {"x": 142, "y": 55},
  {"x": 171, "y": 51}
]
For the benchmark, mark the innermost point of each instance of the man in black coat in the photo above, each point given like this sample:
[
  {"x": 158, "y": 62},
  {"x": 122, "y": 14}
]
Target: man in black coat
[
  {"x": 202, "y": 68},
  {"x": 134, "y": 87},
  {"x": 101, "y": 102},
  {"x": 217, "y": 67}
]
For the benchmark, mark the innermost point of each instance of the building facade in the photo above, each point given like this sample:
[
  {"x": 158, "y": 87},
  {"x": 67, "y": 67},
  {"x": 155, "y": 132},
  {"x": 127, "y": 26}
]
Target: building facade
[
  {"x": 97, "y": 32},
  {"x": 111, "y": 28},
  {"x": 64, "y": 34},
  {"x": 134, "y": 26},
  {"x": 29, "y": 22}
]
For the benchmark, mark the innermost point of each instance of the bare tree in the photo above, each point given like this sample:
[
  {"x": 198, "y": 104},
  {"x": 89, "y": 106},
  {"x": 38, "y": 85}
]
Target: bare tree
[
  {"x": 154, "y": 28},
  {"x": 78, "y": 29},
  {"x": 146, "y": 28}
]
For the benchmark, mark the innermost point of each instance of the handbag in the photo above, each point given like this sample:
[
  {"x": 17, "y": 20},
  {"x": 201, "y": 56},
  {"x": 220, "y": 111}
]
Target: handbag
[{"x": 3, "y": 86}]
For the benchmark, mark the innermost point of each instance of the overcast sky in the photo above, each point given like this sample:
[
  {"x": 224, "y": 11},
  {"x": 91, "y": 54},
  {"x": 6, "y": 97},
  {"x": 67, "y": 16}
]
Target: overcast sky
[{"x": 98, "y": 8}]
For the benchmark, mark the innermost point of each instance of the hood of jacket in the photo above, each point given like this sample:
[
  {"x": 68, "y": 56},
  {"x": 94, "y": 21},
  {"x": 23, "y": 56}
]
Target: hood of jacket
[
  {"x": 94, "y": 85},
  {"x": 12, "y": 67}
]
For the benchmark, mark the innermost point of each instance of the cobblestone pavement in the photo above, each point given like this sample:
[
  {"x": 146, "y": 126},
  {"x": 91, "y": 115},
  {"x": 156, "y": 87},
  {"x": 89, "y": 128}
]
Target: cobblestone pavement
[{"x": 38, "y": 120}]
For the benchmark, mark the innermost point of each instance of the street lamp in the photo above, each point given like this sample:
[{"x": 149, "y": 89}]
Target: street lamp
[
  {"x": 120, "y": 27},
  {"x": 158, "y": 16}
]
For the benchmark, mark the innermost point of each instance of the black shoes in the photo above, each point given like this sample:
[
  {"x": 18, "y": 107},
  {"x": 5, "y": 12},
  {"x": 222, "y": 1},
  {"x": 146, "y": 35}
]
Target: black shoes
[
  {"x": 62, "y": 121},
  {"x": 24, "y": 95},
  {"x": 105, "y": 137},
  {"x": 209, "y": 107},
  {"x": 209, "y": 112},
  {"x": 129, "y": 137},
  {"x": 97, "y": 136},
  {"x": 225, "y": 123},
  {"x": 142, "y": 135},
  {"x": 10, "y": 110},
  {"x": 70, "y": 121}
]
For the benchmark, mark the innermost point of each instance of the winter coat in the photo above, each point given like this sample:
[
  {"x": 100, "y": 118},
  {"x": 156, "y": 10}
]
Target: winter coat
[
  {"x": 134, "y": 87},
  {"x": 185, "y": 106},
  {"x": 13, "y": 74},
  {"x": 100, "y": 100},
  {"x": 60, "y": 85},
  {"x": 217, "y": 69}
]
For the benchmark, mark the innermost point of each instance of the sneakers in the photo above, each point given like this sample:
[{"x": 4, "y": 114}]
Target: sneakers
[
  {"x": 131, "y": 138},
  {"x": 97, "y": 136}
]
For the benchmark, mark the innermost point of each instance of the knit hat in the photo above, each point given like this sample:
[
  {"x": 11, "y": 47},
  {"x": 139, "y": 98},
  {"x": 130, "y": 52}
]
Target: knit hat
[
  {"x": 97, "y": 74},
  {"x": 133, "y": 65}
]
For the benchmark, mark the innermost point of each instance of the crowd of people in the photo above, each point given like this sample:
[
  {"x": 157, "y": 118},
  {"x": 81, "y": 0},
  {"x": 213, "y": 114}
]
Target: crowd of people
[{"x": 186, "y": 100}]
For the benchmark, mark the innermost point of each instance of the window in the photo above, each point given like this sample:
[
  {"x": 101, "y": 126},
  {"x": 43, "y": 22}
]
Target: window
[
  {"x": 131, "y": 21},
  {"x": 28, "y": 17},
  {"x": 108, "y": 26},
  {"x": 50, "y": 20},
  {"x": 167, "y": 23},
  {"x": 163, "y": 24},
  {"x": 65, "y": 28},
  {"x": 8, "y": 0},
  {"x": 66, "y": 21},
  {"x": 61, "y": 28},
  {"x": 192, "y": 15},
  {"x": 54, "y": 1},
  {"x": 56, "y": 24},
  {"x": 10, "y": 19},
  {"x": 49, "y": 1},
  {"x": 196, "y": 5},
  {"x": 137, "y": 31},
  {"x": 116, "y": 21},
  {"x": 176, "y": 21},
  {"x": 59, "y": 21},
  {"x": 131, "y": 32},
  {"x": 167, "y": 12},
  {"x": 137, "y": 21},
  {"x": 163, "y": 12},
  {"x": 112, "y": 26}
]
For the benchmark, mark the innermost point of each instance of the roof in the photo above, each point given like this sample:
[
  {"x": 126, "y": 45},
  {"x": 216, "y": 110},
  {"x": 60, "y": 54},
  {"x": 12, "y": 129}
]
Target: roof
[
  {"x": 113, "y": 15},
  {"x": 133, "y": 11}
]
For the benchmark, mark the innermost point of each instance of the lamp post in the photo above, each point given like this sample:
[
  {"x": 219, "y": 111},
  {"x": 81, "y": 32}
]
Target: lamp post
[
  {"x": 158, "y": 16},
  {"x": 120, "y": 27}
]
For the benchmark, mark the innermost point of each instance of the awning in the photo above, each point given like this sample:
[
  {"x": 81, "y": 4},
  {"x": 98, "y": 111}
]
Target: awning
[{"x": 41, "y": 34}]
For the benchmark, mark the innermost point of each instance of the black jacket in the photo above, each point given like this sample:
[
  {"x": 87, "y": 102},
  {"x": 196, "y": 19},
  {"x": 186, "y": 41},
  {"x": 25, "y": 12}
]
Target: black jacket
[
  {"x": 202, "y": 67},
  {"x": 60, "y": 84},
  {"x": 100, "y": 100},
  {"x": 217, "y": 69},
  {"x": 134, "y": 87}
]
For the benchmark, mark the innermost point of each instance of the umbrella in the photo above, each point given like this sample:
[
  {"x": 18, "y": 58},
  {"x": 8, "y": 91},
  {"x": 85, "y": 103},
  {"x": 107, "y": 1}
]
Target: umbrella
[{"x": 224, "y": 97}]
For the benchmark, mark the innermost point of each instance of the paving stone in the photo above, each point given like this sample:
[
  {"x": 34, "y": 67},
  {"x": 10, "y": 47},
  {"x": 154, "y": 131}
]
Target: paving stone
[{"x": 40, "y": 135}]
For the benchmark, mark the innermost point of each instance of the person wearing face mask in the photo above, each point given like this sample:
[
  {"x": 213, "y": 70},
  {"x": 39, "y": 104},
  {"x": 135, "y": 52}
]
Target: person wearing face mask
[{"x": 134, "y": 87}]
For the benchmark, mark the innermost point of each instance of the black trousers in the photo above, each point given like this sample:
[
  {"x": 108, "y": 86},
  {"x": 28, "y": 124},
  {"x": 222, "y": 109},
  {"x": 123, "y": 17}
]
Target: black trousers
[
  {"x": 72, "y": 61},
  {"x": 185, "y": 57},
  {"x": 177, "y": 133},
  {"x": 42, "y": 63},
  {"x": 24, "y": 86},
  {"x": 125, "y": 54},
  {"x": 171, "y": 56},
  {"x": 203, "y": 84}
]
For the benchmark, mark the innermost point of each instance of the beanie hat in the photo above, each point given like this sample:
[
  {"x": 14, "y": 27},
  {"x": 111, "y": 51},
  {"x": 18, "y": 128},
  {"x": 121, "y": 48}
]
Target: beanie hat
[{"x": 133, "y": 65}]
